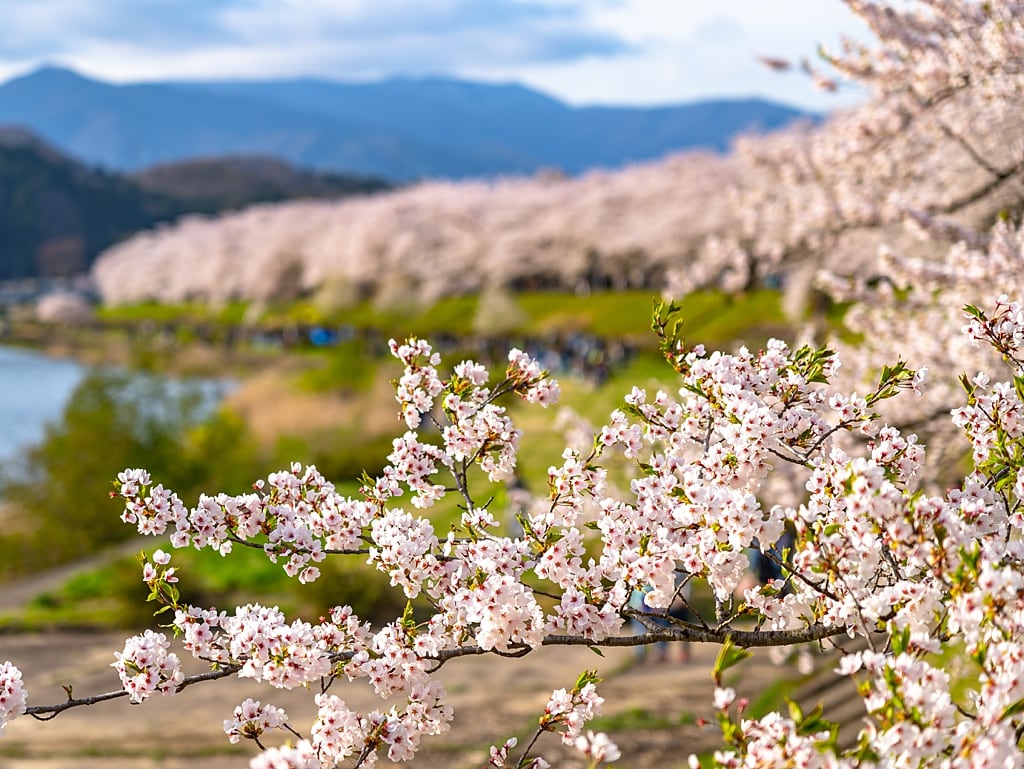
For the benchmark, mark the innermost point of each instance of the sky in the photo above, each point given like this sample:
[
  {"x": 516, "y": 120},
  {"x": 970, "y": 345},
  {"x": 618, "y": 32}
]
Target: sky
[{"x": 629, "y": 52}]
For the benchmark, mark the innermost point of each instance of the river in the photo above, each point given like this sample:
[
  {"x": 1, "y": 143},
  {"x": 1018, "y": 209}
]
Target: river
[{"x": 33, "y": 391}]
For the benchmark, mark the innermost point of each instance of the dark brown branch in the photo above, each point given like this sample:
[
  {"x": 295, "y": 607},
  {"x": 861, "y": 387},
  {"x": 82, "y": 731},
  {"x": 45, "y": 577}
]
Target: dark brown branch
[
  {"x": 981, "y": 192},
  {"x": 683, "y": 632},
  {"x": 234, "y": 538},
  {"x": 967, "y": 147},
  {"x": 47, "y": 712},
  {"x": 747, "y": 639}
]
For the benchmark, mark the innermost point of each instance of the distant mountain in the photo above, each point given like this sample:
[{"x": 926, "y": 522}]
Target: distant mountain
[
  {"x": 519, "y": 125},
  {"x": 401, "y": 128},
  {"x": 57, "y": 215}
]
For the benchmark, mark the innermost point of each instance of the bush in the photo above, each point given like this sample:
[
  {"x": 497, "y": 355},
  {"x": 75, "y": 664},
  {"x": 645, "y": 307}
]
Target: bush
[{"x": 113, "y": 419}]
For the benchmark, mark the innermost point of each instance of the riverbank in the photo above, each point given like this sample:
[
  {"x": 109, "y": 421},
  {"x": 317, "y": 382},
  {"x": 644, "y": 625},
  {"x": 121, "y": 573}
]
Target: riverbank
[{"x": 100, "y": 346}]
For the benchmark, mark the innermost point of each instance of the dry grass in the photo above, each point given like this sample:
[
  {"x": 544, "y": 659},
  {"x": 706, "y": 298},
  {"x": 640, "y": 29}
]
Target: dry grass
[{"x": 272, "y": 405}]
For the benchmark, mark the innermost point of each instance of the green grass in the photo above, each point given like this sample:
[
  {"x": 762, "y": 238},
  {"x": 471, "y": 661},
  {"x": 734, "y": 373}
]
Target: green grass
[
  {"x": 772, "y": 697},
  {"x": 192, "y": 312},
  {"x": 717, "y": 320},
  {"x": 348, "y": 365},
  {"x": 638, "y": 718},
  {"x": 713, "y": 315},
  {"x": 963, "y": 671},
  {"x": 114, "y": 596},
  {"x": 111, "y": 596}
]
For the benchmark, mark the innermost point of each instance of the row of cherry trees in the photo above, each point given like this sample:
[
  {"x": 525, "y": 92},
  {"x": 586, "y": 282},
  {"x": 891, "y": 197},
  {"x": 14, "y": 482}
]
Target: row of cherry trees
[
  {"x": 605, "y": 229},
  {"x": 888, "y": 545}
]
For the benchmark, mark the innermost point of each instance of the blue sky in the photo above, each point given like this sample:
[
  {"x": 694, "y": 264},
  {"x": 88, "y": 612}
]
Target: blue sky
[{"x": 583, "y": 51}]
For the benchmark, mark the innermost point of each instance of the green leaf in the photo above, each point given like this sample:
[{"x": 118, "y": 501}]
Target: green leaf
[
  {"x": 794, "y": 711},
  {"x": 1013, "y": 710},
  {"x": 596, "y": 651},
  {"x": 586, "y": 677},
  {"x": 973, "y": 311},
  {"x": 729, "y": 656},
  {"x": 901, "y": 641}
]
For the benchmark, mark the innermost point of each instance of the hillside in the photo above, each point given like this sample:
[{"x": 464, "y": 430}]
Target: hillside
[
  {"x": 56, "y": 214},
  {"x": 216, "y": 184},
  {"x": 398, "y": 129}
]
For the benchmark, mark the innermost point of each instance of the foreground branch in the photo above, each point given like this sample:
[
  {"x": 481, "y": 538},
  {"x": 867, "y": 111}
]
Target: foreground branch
[
  {"x": 741, "y": 638},
  {"x": 48, "y": 712}
]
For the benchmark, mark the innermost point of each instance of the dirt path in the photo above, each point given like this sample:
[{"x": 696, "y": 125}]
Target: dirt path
[
  {"x": 17, "y": 594},
  {"x": 493, "y": 698}
]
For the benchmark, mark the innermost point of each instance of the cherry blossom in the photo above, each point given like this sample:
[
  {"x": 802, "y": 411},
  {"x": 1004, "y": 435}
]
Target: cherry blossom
[
  {"x": 146, "y": 666},
  {"x": 13, "y": 697},
  {"x": 888, "y": 502},
  {"x": 251, "y": 719}
]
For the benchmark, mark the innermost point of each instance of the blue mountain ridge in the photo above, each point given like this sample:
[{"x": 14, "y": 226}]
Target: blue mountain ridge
[{"x": 401, "y": 128}]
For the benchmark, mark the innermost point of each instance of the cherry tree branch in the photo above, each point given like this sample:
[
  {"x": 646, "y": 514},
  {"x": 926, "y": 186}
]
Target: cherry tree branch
[
  {"x": 48, "y": 712},
  {"x": 686, "y": 632}
]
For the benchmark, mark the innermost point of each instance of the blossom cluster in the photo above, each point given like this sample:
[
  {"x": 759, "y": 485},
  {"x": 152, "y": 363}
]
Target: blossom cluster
[
  {"x": 438, "y": 238},
  {"x": 571, "y": 710},
  {"x": 146, "y": 666},
  {"x": 13, "y": 697},
  {"x": 251, "y": 719},
  {"x": 474, "y": 580},
  {"x": 706, "y": 451}
]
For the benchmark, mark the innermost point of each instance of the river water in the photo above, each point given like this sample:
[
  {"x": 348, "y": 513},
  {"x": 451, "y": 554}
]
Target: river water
[{"x": 33, "y": 391}]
